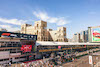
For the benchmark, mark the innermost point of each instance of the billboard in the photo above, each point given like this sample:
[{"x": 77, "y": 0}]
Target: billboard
[
  {"x": 90, "y": 59},
  {"x": 95, "y": 35},
  {"x": 26, "y": 48},
  {"x": 17, "y": 35}
]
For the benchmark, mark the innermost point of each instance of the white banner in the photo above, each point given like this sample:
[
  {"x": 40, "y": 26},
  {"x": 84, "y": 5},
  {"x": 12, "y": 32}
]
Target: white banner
[{"x": 90, "y": 59}]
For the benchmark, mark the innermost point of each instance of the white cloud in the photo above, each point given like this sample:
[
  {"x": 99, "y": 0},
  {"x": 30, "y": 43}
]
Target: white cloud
[
  {"x": 44, "y": 16},
  {"x": 9, "y": 27},
  {"x": 41, "y": 15},
  {"x": 52, "y": 20},
  {"x": 12, "y": 21},
  {"x": 62, "y": 21}
]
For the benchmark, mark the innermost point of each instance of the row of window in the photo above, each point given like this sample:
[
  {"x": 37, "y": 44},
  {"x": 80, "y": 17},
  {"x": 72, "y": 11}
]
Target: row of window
[
  {"x": 9, "y": 42},
  {"x": 9, "y": 45}
]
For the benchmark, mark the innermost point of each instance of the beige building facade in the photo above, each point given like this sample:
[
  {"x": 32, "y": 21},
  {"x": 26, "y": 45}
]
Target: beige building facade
[{"x": 40, "y": 29}]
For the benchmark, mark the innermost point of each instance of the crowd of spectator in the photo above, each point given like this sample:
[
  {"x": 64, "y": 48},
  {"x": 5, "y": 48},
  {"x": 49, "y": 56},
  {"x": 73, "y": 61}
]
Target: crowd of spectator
[
  {"x": 50, "y": 62},
  {"x": 39, "y": 63}
]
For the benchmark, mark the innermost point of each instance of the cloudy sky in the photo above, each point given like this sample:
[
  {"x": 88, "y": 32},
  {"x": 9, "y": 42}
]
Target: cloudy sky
[{"x": 75, "y": 15}]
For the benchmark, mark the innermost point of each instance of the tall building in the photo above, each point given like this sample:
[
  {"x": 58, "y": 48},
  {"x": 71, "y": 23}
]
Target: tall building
[
  {"x": 59, "y": 34},
  {"x": 84, "y": 36},
  {"x": 44, "y": 34},
  {"x": 80, "y": 37},
  {"x": 76, "y": 37},
  {"x": 94, "y": 34}
]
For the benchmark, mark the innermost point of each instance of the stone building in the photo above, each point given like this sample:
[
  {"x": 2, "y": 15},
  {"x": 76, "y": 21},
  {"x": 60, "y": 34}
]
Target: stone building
[
  {"x": 44, "y": 34},
  {"x": 84, "y": 36}
]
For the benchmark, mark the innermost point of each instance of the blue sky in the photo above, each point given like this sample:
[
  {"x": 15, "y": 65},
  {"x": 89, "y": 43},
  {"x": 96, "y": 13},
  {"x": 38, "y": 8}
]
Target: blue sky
[{"x": 76, "y": 15}]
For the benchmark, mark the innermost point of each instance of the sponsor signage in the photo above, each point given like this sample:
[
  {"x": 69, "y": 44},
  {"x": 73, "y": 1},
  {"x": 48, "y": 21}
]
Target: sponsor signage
[
  {"x": 85, "y": 46},
  {"x": 26, "y": 48},
  {"x": 18, "y": 35},
  {"x": 59, "y": 47},
  {"x": 95, "y": 35},
  {"x": 90, "y": 59},
  {"x": 48, "y": 50}
]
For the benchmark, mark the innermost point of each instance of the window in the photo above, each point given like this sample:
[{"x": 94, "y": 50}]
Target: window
[
  {"x": 37, "y": 25},
  {"x": 43, "y": 25},
  {"x": 37, "y": 32},
  {"x": 64, "y": 31},
  {"x": 43, "y": 33},
  {"x": 22, "y": 28},
  {"x": 64, "y": 36}
]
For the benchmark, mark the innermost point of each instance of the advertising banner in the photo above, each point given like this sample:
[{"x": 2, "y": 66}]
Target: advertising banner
[
  {"x": 17, "y": 35},
  {"x": 96, "y": 35},
  {"x": 59, "y": 47},
  {"x": 26, "y": 48},
  {"x": 90, "y": 59}
]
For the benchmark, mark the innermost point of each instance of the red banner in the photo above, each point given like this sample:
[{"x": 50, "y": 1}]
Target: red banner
[{"x": 26, "y": 48}]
